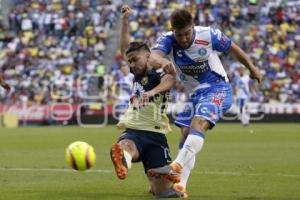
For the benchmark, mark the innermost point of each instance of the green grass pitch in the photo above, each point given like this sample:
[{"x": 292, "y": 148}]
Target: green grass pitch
[{"x": 235, "y": 164}]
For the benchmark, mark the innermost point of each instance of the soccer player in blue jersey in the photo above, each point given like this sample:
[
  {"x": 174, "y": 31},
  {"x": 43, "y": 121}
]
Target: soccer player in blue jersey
[
  {"x": 242, "y": 92},
  {"x": 145, "y": 121},
  {"x": 194, "y": 50}
]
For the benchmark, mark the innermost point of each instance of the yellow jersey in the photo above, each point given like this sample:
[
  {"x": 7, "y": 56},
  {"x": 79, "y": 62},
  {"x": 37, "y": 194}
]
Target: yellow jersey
[{"x": 153, "y": 116}]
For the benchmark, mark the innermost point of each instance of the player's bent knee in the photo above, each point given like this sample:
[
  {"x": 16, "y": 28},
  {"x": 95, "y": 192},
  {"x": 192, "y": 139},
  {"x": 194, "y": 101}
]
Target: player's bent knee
[
  {"x": 129, "y": 146},
  {"x": 127, "y": 142},
  {"x": 200, "y": 124}
]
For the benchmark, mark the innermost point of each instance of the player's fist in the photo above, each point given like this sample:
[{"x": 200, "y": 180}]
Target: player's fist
[
  {"x": 168, "y": 67},
  {"x": 256, "y": 75},
  {"x": 4, "y": 85},
  {"x": 126, "y": 11},
  {"x": 145, "y": 99}
]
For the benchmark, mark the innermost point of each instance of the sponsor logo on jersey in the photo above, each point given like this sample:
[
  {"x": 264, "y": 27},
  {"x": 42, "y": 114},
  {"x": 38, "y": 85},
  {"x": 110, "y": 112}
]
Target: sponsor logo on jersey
[
  {"x": 138, "y": 89},
  {"x": 195, "y": 68},
  {"x": 145, "y": 80},
  {"x": 218, "y": 98},
  {"x": 202, "y": 42},
  {"x": 179, "y": 53},
  {"x": 182, "y": 77},
  {"x": 202, "y": 51}
]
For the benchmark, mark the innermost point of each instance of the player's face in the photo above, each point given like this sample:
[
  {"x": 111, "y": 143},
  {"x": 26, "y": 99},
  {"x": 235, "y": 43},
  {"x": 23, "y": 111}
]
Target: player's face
[
  {"x": 138, "y": 62},
  {"x": 184, "y": 36}
]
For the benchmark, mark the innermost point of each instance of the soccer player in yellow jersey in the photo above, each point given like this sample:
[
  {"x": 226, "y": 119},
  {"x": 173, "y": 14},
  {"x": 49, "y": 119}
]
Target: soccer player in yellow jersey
[{"x": 145, "y": 121}]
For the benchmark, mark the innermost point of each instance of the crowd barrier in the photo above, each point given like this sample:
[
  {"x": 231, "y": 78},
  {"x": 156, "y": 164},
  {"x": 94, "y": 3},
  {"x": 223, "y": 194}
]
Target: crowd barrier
[{"x": 100, "y": 114}]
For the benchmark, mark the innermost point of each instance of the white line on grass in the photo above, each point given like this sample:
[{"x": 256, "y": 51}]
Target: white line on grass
[
  {"x": 224, "y": 173},
  {"x": 51, "y": 170}
]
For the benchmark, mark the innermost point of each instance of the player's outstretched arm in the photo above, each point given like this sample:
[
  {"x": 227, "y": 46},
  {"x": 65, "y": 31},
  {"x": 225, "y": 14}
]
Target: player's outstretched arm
[
  {"x": 125, "y": 34},
  {"x": 157, "y": 60},
  {"x": 166, "y": 83},
  {"x": 244, "y": 59}
]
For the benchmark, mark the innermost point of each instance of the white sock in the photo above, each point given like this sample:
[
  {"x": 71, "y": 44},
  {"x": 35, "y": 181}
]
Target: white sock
[
  {"x": 192, "y": 145},
  {"x": 186, "y": 170},
  {"x": 128, "y": 158},
  {"x": 245, "y": 117}
]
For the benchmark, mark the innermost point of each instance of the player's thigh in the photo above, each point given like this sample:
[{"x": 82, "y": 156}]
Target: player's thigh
[
  {"x": 184, "y": 117},
  {"x": 131, "y": 140},
  {"x": 200, "y": 124},
  {"x": 157, "y": 153},
  {"x": 130, "y": 146}
]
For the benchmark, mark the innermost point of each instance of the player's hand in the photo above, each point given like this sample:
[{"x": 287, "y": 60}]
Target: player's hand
[
  {"x": 256, "y": 75},
  {"x": 168, "y": 67},
  {"x": 144, "y": 101},
  {"x": 6, "y": 86},
  {"x": 126, "y": 11}
]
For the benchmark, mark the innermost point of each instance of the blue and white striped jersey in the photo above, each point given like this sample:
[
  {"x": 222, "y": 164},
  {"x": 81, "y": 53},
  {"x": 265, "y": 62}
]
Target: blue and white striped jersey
[{"x": 199, "y": 65}]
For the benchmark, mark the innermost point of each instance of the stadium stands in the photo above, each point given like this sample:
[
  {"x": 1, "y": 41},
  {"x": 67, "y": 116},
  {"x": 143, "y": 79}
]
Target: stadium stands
[
  {"x": 50, "y": 44},
  {"x": 269, "y": 32}
]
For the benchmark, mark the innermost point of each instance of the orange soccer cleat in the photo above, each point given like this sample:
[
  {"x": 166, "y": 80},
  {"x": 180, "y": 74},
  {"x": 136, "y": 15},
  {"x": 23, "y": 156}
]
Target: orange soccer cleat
[
  {"x": 171, "y": 172},
  {"x": 118, "y": 159}
]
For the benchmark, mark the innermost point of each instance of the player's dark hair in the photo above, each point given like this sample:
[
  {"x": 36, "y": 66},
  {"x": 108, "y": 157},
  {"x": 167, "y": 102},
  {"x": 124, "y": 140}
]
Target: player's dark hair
[
  {"x": 137, "y": 46},
  {"x": 181, "y": 18}
]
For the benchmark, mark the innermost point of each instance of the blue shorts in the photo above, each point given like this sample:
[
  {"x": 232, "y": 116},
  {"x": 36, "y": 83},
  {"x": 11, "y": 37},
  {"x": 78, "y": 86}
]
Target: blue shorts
[
  {"x": 209, "y": 103},
  {"x": 153, "y": 147}
]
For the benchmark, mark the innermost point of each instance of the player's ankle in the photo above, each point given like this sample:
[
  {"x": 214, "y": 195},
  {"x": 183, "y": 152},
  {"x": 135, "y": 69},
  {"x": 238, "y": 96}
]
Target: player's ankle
[
  {"x": 176, "y": 167},
  {"x": 128, "y": 158},
  {"x": 179, "y": 188}
]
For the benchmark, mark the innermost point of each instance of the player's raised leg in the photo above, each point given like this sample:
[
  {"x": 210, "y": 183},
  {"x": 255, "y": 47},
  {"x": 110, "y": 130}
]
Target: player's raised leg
[
  {"x": 207, "y": 112},
  {"x": 186, "y": 170},
  {"x": 122, "y": 154},
  {"x": 191, "y": 147}
]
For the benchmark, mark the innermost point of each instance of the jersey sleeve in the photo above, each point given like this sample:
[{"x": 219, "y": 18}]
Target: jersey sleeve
[
  {"x": 161, "y": 72},
  {"x": 220, "y": 42},
  {"x": 164, "y": 43}
]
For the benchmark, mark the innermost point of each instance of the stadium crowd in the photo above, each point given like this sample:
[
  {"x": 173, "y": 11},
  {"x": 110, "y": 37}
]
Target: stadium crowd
[
  {"x": 50, "y": 44},
  {"x": 269, "y": 32}
]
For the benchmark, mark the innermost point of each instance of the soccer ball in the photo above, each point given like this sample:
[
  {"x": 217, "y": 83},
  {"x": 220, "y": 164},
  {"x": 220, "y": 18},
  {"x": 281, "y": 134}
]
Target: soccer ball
[{"x": 80, "y": 156}]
